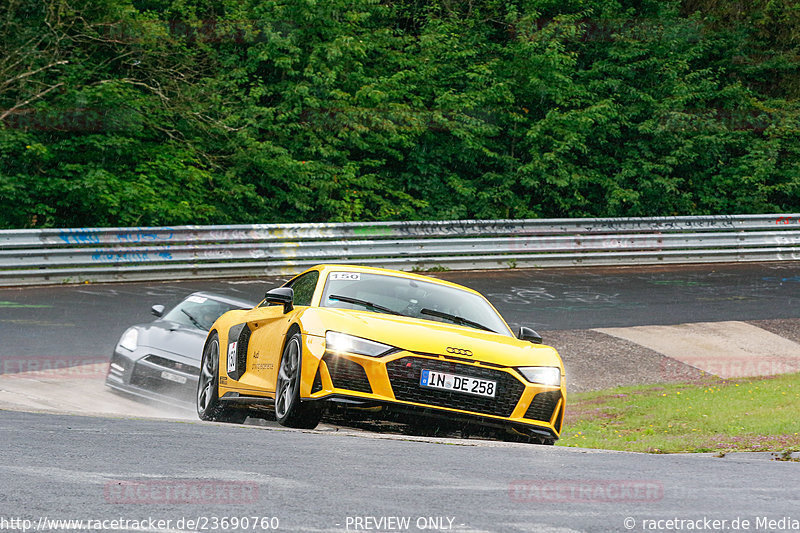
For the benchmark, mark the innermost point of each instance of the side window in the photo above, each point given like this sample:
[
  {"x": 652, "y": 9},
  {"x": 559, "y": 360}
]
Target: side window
[{"x": 304, "y": 288}]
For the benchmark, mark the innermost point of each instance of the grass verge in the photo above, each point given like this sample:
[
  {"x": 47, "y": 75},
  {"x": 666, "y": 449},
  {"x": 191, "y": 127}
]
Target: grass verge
[{"x": 750, "y": 414}]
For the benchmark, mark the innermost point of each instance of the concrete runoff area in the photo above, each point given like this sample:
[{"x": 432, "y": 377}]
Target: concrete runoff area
[{"x": 726, "y": 349}]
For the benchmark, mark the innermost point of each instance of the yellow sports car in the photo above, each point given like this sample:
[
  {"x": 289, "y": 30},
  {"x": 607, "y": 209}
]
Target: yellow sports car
[{"x": 394, "y": 342}]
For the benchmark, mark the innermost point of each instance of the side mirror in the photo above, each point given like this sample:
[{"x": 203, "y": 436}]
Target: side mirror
[
  {"x": 157, "y": 310},
  {"x": 527, "y": 334},
  {"x": 281, "y": 296}
]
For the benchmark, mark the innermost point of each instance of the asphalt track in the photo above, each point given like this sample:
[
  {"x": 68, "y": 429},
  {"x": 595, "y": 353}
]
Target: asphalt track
[
  {"x": 85, "y": 321},
  {"x": 64, "y": 466},
  {"x": 72, "y": 467}
]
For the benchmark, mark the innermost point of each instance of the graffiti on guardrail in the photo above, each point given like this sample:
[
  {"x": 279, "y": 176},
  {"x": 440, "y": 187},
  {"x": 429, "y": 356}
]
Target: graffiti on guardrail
[
  {"x": 455, "y": 244},
  {"x": 145, "y": 235},
  {"x": 79, "y": 236},
  {"x": 372, "y": 231},
  {"x": 459, "y": 227},
  {"x": 661, "y": 223},
  {"x": 266, "y": 232},
  {"x": 89, "y": 236},
  {"x": 217, "y": 254},
  {"x": 130, "y": 236},
  {"x": 236, "y": 234},
  {"x": 131, "y": 257}
]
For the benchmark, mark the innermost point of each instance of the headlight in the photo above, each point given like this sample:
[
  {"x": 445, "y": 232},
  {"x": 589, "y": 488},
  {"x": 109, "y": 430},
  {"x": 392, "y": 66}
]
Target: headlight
[
  {"x": 341, "y": 342},
  {"x": 546, "y": 375},
  {"x": 130, "y": 339}
]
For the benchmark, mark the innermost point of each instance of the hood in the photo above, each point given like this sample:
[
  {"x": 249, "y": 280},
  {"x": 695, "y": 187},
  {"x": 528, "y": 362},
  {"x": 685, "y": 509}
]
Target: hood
[
  {"x": 430, "y": 337},
  {"x": 181, "y": 340}
]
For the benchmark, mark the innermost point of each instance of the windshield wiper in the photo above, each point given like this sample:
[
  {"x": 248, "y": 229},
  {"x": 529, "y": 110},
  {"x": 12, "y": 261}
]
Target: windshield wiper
[
  {"x": 364, "y": 303},
  {"x": 197, "y": 324},
  {"x": 460, "y": 320}
]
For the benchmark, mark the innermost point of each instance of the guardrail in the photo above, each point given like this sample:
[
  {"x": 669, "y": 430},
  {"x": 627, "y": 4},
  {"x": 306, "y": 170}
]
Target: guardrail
[{"x": 77, "y": 255}]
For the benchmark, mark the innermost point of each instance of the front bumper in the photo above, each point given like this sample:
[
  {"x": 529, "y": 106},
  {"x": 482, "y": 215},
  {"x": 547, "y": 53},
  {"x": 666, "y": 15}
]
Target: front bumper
[
  {"x": 155, "y": 375},
  {"x": 393, "y": 383}
]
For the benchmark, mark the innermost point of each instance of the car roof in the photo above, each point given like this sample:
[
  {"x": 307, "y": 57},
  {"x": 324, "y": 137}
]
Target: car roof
[{"x": 238, "y": 302}]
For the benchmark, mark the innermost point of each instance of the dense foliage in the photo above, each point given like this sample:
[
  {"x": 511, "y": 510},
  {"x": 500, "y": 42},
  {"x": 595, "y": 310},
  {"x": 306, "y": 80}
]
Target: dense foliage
[{"x": 162, "y": 112}]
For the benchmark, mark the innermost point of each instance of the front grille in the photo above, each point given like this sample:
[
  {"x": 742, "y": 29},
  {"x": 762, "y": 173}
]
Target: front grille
[
  {"x": 346, "y": 374},
  {"x": 404, "y": 375},
  {"x": 150, "y": 379},
  {"x": 543, "y": 405},
  {"x": 174, "y": 365}
]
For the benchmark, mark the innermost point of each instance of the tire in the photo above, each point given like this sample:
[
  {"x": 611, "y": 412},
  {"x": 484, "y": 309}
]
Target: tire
[
  {"x": 209, "y": 407},
  {"x": 289, "y": 410}
]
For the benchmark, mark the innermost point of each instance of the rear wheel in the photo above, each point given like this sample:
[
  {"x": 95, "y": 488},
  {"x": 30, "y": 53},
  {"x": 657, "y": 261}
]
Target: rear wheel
[
  {"x": 289, "y": 410},
  {"x": 209, "y": 406}
]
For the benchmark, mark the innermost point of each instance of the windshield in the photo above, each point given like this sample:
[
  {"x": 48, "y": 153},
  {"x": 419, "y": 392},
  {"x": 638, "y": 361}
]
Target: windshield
[
  {"x": 408, "y": 297},
  {"x": 198, "y": 312}
]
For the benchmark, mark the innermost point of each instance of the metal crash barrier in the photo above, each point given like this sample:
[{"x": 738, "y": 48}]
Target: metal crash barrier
[{"x": 78, "y": 255}]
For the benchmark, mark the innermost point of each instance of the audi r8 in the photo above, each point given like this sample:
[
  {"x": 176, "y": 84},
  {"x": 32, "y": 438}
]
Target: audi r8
[
  {"x": 161, "y": 360},
  {"x": 381, "y": 340}
]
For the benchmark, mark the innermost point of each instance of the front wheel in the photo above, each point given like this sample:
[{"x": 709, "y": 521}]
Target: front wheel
[
  {"x": 289, "y": 410},
  {"x": 209, "y": 407}
]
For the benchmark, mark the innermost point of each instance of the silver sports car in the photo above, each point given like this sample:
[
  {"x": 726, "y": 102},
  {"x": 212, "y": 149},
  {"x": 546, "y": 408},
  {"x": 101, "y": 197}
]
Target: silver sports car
[{"x": 160, "y": 360}]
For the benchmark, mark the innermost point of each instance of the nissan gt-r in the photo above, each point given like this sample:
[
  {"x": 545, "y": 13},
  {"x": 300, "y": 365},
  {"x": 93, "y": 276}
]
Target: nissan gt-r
[
  {"x": 161, "y": 360},
  {"x": 383, "y": 340}
]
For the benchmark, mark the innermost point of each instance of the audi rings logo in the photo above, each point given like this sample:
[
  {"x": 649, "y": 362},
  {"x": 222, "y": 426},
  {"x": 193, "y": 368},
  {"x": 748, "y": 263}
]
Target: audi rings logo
[{"x": 458, "y": 351}]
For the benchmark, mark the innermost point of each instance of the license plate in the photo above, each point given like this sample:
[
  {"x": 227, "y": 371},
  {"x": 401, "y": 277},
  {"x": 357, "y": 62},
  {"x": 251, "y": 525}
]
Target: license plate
[
  {"x": 169, "y": 376},
  {"x": 456, "y": 383}
]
